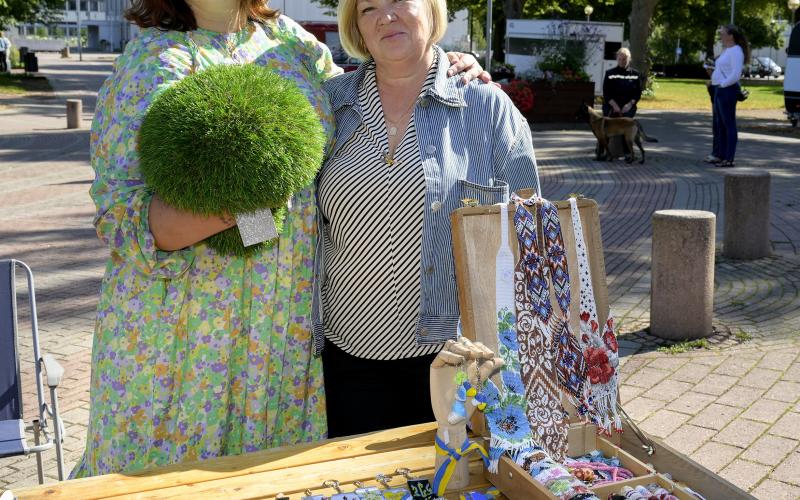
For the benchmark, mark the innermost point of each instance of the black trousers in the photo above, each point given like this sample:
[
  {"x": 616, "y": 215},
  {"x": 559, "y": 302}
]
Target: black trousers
[
  {"x": 367, "y": 395},
  {"x": 3, "y": 67}
]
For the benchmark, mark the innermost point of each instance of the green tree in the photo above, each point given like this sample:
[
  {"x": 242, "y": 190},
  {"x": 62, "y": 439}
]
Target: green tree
[
  {"x": 696, "y": 23},
  {"x": 29, "y": 11},
  {"x": 502, "y": 10},
  {"x": 641, "y": 20}
]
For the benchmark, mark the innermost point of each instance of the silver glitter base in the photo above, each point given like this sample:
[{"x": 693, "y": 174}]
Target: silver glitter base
[{"x": 256, "y": 227}]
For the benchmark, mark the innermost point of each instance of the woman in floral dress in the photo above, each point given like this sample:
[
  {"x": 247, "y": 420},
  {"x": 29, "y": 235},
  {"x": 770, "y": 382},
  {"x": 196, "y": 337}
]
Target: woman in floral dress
[{"x": 198, "y": 354}]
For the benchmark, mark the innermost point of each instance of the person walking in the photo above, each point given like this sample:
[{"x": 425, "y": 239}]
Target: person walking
[{"x": 725, "y": 91}]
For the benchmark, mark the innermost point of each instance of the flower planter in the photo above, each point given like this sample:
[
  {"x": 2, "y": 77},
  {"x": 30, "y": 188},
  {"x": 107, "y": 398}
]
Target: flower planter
[{"x": 559, "y": 102}]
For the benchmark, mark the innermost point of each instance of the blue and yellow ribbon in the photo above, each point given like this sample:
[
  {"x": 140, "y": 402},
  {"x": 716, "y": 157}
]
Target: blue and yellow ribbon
[{"x": 445, "y": 471}]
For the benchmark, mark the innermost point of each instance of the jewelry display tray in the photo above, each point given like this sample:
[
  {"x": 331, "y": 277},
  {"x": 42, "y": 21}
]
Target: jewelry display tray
[{"x": 476, "y": 240}]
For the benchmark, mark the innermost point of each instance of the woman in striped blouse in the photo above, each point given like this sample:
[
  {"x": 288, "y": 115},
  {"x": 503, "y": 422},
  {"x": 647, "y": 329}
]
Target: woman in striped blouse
[{"x": 411, "y": 142}]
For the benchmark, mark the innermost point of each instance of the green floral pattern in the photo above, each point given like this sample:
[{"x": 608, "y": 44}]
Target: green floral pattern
[{"x": 197, "y": 354}]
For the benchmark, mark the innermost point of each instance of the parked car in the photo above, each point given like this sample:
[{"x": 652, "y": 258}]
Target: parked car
[
  {"x": 345, "y": 62},
  {"x": 328, "y": 33},
  {"x": 762, "y": 66}
]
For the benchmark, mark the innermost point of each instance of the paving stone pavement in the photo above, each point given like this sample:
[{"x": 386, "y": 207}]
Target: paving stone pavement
[{"x": 734, "y": 407}]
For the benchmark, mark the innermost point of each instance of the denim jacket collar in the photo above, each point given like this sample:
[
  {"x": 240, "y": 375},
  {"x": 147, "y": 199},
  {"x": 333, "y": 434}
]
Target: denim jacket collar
[{"x": 445, "y": 89}]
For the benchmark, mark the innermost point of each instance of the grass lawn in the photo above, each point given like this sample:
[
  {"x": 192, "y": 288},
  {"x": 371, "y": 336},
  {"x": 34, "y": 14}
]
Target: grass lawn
[
  {"x": 17, "y": 84},
  {"x": 684, "y": 93}
]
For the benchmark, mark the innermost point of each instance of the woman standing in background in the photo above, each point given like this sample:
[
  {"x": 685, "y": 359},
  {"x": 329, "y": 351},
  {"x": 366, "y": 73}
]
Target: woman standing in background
[{"x": 725, "y": 91}]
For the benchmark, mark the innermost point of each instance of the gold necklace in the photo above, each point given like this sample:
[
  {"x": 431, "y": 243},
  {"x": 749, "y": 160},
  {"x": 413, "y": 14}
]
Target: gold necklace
[
  {"x": 392, "y": 125},
  {"x": 391, "y": 130}
]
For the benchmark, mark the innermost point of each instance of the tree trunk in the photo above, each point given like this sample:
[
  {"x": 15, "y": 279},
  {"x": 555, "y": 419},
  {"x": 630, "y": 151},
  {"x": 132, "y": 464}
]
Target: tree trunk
[
  {"x": 512, "y": 9},
  {"x": 641, "y": 20},
  {"x": 710, "y": 40}
]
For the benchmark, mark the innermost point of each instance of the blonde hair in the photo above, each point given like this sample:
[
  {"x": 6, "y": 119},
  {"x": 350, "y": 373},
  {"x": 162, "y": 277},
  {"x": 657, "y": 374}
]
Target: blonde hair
[
  {"x": 353, "y": 42},
  {"x": 626, "y": 51}
]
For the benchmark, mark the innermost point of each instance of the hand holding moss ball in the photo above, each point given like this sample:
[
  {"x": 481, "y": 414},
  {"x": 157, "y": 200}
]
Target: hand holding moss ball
[{"x": 228, "y": 140}]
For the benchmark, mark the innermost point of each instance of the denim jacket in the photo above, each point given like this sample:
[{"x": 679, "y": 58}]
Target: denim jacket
[{"x": 473, "y": 144}]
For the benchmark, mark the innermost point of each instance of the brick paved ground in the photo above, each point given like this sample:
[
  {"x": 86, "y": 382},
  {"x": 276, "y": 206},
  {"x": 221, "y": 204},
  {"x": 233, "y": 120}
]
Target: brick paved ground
[{"x": 734, "y": 407}]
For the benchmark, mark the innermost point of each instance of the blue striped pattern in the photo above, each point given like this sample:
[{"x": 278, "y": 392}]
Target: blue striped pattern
[
  {"x": 473, "y": 144},
  {"x": 373, "y": 238}
]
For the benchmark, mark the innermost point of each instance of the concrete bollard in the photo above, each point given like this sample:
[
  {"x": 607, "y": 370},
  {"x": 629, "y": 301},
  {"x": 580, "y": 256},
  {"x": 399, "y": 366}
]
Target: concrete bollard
[
  {"x": 74, "y": 111},
  {"x": 747, "y": 200},
  {"x": 682, "y": 284}
]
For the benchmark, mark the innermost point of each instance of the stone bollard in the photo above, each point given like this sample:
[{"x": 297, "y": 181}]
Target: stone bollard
[
  {"x": 74, "y": 111},
  {"x": 682, "y": 284},
  {"x": 747, "y": 199},
  {"x": 65, "y": 53}
]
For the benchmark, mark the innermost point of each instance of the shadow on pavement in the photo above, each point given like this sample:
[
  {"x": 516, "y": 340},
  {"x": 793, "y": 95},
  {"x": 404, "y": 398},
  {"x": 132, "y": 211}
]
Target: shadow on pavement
[{"x": 45, "y": 146}]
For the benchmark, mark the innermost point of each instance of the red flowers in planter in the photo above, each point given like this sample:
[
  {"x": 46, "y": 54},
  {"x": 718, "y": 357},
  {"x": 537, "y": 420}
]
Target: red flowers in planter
[
  {"x": 600, "y": 370},
  {"x": 521, "y": 94}
]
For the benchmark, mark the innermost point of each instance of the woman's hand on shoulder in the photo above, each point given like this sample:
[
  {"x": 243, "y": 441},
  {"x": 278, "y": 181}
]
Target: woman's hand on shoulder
[{"x": 461, "y": 62}]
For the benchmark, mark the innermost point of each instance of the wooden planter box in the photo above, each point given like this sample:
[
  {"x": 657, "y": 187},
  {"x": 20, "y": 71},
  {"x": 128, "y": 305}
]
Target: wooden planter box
[{"x": 559, "y": 102}]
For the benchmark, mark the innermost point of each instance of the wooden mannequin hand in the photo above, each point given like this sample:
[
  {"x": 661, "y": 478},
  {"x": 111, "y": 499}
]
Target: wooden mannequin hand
[{"x": 477, "y": 361}]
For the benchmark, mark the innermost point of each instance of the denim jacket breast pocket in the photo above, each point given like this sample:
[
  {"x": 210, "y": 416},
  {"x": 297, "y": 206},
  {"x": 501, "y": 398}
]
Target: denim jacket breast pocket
[{"x": 485, "y": 195}]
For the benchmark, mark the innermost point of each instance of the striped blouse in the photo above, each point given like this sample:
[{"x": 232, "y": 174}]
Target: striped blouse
[{"x": 373, "y": 246}]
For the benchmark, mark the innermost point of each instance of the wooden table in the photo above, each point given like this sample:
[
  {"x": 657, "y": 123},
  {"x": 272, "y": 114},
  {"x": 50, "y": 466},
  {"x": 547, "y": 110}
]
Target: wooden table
[
  {"x": 265, "y": 474},
  {"x": 292, "y": 469}
]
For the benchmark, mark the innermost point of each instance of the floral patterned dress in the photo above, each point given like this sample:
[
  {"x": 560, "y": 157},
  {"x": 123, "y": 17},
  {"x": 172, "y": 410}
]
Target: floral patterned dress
[{"x": 197, "y": 354}]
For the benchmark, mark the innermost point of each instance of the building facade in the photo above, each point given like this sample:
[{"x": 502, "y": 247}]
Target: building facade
[
  {"x": 102, "y": 20},
  {"x": 104, "y": 27}
]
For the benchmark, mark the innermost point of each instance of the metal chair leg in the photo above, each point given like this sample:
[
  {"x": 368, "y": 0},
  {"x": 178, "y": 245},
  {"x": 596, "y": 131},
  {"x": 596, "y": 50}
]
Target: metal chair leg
[
  {"x": 39, "y": 469},
  {"x": 57, "y": 432}
]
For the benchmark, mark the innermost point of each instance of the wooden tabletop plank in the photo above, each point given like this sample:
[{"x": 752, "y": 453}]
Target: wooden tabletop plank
[
  {"x": 233, "y": 466},
  {"x": 295, "y": 480},
  {"x": 477, "y": 481}
]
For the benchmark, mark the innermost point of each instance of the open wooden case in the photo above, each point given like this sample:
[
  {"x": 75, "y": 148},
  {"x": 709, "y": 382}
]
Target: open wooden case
[{"x": 476, "y": 240}]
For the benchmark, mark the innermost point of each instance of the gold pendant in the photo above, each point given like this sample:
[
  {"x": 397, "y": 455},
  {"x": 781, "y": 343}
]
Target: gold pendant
[{"x": 388, "y": 159}]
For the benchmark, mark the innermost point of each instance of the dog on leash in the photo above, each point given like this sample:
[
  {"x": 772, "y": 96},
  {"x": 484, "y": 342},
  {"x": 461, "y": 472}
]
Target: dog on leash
[{"x": 604, "y": 128}]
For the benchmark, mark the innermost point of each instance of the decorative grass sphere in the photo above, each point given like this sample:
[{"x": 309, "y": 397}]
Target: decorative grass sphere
[{"x": 231, "y": 139}]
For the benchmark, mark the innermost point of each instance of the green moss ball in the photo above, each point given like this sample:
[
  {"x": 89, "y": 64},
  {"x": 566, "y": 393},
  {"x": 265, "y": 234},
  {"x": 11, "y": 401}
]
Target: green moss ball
[{"x": 231, "y": 139}]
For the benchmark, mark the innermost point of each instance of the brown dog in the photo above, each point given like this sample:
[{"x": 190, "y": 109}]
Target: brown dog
[{"x": 604, "y": 128}]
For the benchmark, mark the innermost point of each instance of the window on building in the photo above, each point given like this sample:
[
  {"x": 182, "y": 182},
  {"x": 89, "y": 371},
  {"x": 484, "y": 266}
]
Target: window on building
[
  {"x": 71, "y": 5},
  {"x": 522, "y": 46},
  {"x": 84, "y": 5}
]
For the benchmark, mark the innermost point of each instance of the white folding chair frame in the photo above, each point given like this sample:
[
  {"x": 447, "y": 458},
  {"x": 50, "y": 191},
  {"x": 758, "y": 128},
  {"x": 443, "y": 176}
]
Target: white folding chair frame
[{"x": 54, "y": 373}]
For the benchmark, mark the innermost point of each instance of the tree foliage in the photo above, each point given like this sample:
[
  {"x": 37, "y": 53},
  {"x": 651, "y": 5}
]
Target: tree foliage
[
  {"x": 508, "y": 9},
  {"x": 695, "y": 24},
  {"x": 29, "y": 11},
  {"x": 653, "y": 27}
]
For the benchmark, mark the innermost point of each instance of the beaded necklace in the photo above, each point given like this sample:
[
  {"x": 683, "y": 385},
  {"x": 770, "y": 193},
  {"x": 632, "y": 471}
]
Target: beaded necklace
[
  {"x": 536, "y": 348},
  {"x": 506, "y": 412},
  {"x": 599, "y": 348}
]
